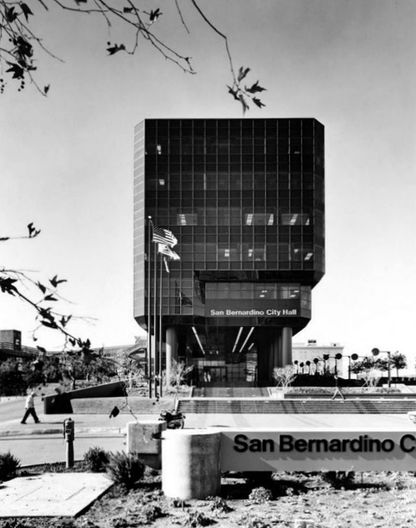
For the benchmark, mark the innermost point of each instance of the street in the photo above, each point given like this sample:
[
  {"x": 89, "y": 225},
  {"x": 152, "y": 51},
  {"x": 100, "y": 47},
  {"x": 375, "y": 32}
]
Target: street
[
  {"x": 15, "y": 408},
  {"x": 39, "y": 448}
]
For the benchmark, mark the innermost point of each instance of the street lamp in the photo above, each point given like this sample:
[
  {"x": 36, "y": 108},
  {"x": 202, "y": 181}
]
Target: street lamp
[
  {"x": 376, "y": 352},
  {"x": 296, "y": 362},
  {"x": 353, "y": 357},
  {"x": 325, "y": 357},
  {"x": 337, "y": 356}
]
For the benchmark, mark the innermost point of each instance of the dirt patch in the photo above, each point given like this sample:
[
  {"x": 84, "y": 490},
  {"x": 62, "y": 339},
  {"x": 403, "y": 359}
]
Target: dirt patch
[{"x": 375, "y": 500}]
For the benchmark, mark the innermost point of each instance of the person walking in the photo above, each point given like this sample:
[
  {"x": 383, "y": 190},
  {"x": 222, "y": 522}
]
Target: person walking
[
  {"x": 30, "y": 408},
  {"x": 338, "y": 391}
]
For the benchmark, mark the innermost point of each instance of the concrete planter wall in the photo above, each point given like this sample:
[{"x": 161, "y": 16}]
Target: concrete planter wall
[
  {"x": 277, "y": 393},
  {"x": 144, "y": 438}
]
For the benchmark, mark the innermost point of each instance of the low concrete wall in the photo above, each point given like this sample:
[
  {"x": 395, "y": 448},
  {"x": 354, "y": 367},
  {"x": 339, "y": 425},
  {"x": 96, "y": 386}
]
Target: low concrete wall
[
  {"x": 144, "y": 438},
  {"x": 61, "y": 403},
  {"x": 137, "y": 404},
  {"x": 194, "y": 459}
]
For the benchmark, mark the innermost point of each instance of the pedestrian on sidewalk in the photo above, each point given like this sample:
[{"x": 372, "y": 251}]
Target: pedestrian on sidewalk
[
  {"x": 30, "y": 408},
  {"x": 338, "y": 391}
]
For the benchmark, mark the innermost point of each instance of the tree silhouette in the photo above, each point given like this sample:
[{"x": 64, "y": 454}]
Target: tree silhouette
[
  {"x": 20, "y": 45},
  {"x": 42, "y": 297},
  {"x": 398, "y": 361},
  {"x": 285, "y": 376}
]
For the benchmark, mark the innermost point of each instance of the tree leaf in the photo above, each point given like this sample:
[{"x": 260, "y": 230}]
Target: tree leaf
[
  {"x": 116, "y": 48},
  {"x": 50, "y": 297},
  {"x": 254, "y": 88},
  {"x": 41, "y": 287},
  {"x": 10, "y": 14},
  {"x": 33, "y": 232},
  {"x": 65, "y": 320},
  {"x": 49, "y": 324},
  {"x": 7, "y": 285},
  {"x": 233, "y": 92},
  {"x": 45, "y": 313},
  {"x": 26, "y": 10},
  {"x": 54, "y": 281},
  {"x": 242, "y": 72},
  {"x": 154, "y": 14},
  {"x": 18, "y": 71},
  {"x": 257, "y": 102}
]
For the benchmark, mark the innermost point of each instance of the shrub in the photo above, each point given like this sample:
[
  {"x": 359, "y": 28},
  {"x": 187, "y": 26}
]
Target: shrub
[
  {"x": 149, "y": 513},
  {"x": 253, "y": 521},
  {"x": 260, "y": 495},
  {"x": 398, "y": 481},
  {"x": 339, "y": 479},
  {"x": 196, "y": 519},
  {"x": 125, "y": 469},
  {"x": 219, "y": 505},
  {"x": 178, "y": 503},
  {"x": 11, "y": 381},
  {"x": 96, "y": 459},
  {"x": 8, "y": 466}
]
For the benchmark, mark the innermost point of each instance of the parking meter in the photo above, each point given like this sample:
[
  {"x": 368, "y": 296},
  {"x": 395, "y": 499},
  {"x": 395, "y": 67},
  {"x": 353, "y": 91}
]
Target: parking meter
[
  {"x": 69, "y": 435},
  {"x": 69, "y": 430}
]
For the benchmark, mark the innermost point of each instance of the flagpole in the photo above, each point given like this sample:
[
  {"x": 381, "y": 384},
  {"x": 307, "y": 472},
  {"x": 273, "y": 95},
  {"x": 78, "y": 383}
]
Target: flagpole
[
  {"x": 155, "y": 318},
  {"x": 160, "y": 325},
  {"x": 149, "y": 320}
]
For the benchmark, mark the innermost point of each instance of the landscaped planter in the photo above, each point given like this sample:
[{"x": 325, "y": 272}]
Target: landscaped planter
[{"x": 277, "y": 393}]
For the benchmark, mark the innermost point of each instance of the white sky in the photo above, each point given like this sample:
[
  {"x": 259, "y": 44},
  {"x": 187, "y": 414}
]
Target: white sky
[{"x": 66, "y": 160}]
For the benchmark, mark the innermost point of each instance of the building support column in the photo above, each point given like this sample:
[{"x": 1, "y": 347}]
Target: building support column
[
  {"x": 287, "y": 345},
  {"x": 171, "y": 350},
  {"x": 280, "y": 357}
]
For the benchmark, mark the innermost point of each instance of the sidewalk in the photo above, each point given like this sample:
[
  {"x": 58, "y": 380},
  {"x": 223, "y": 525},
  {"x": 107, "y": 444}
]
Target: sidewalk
[{"x": 85, "y": 424}]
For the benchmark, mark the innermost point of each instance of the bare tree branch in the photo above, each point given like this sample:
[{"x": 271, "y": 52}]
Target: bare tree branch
[
  {"x": 181, "y": 16},
  {"x": 20, "y": 45}
]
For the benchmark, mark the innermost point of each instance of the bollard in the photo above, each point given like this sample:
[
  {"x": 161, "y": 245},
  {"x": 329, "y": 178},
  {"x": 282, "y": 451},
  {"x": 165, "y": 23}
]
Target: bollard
[
  {"x": 69, "y": 435},
  {"x": 191, "y": 463}
]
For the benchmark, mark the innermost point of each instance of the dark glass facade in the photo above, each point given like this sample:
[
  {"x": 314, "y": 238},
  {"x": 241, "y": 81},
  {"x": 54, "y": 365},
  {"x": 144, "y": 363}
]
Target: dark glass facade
[{"x": 245, "y": 199}]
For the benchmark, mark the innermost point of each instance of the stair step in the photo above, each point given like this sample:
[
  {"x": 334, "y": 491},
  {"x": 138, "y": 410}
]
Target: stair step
[{"x": 250, "y": 406}]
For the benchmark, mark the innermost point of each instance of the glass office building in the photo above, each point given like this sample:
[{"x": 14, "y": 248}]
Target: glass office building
[{"x": 245, "y": 199}]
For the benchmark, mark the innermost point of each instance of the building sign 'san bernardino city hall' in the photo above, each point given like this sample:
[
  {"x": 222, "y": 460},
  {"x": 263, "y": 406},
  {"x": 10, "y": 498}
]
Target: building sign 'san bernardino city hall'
[{"x": 269, "y": 312}]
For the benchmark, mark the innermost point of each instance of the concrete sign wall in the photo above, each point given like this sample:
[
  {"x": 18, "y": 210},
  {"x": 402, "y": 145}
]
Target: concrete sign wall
[{"x": 318, "y": 450}]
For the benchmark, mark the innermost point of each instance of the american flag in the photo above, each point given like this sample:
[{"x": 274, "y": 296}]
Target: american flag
[
  {"x": 165, "y": 250},
  {"x": 164, "y": 236}
]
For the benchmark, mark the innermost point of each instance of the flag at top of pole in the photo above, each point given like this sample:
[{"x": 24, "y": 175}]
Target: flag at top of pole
[{"x": 163, "y": 236}]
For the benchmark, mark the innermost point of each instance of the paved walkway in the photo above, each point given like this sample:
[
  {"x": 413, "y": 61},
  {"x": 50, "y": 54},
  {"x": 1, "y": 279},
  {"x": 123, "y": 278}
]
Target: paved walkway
[
  {"x": 53, "y": 424},
  {"x": 51, "y": 494},
  {"x": 98, "y": 424}
]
